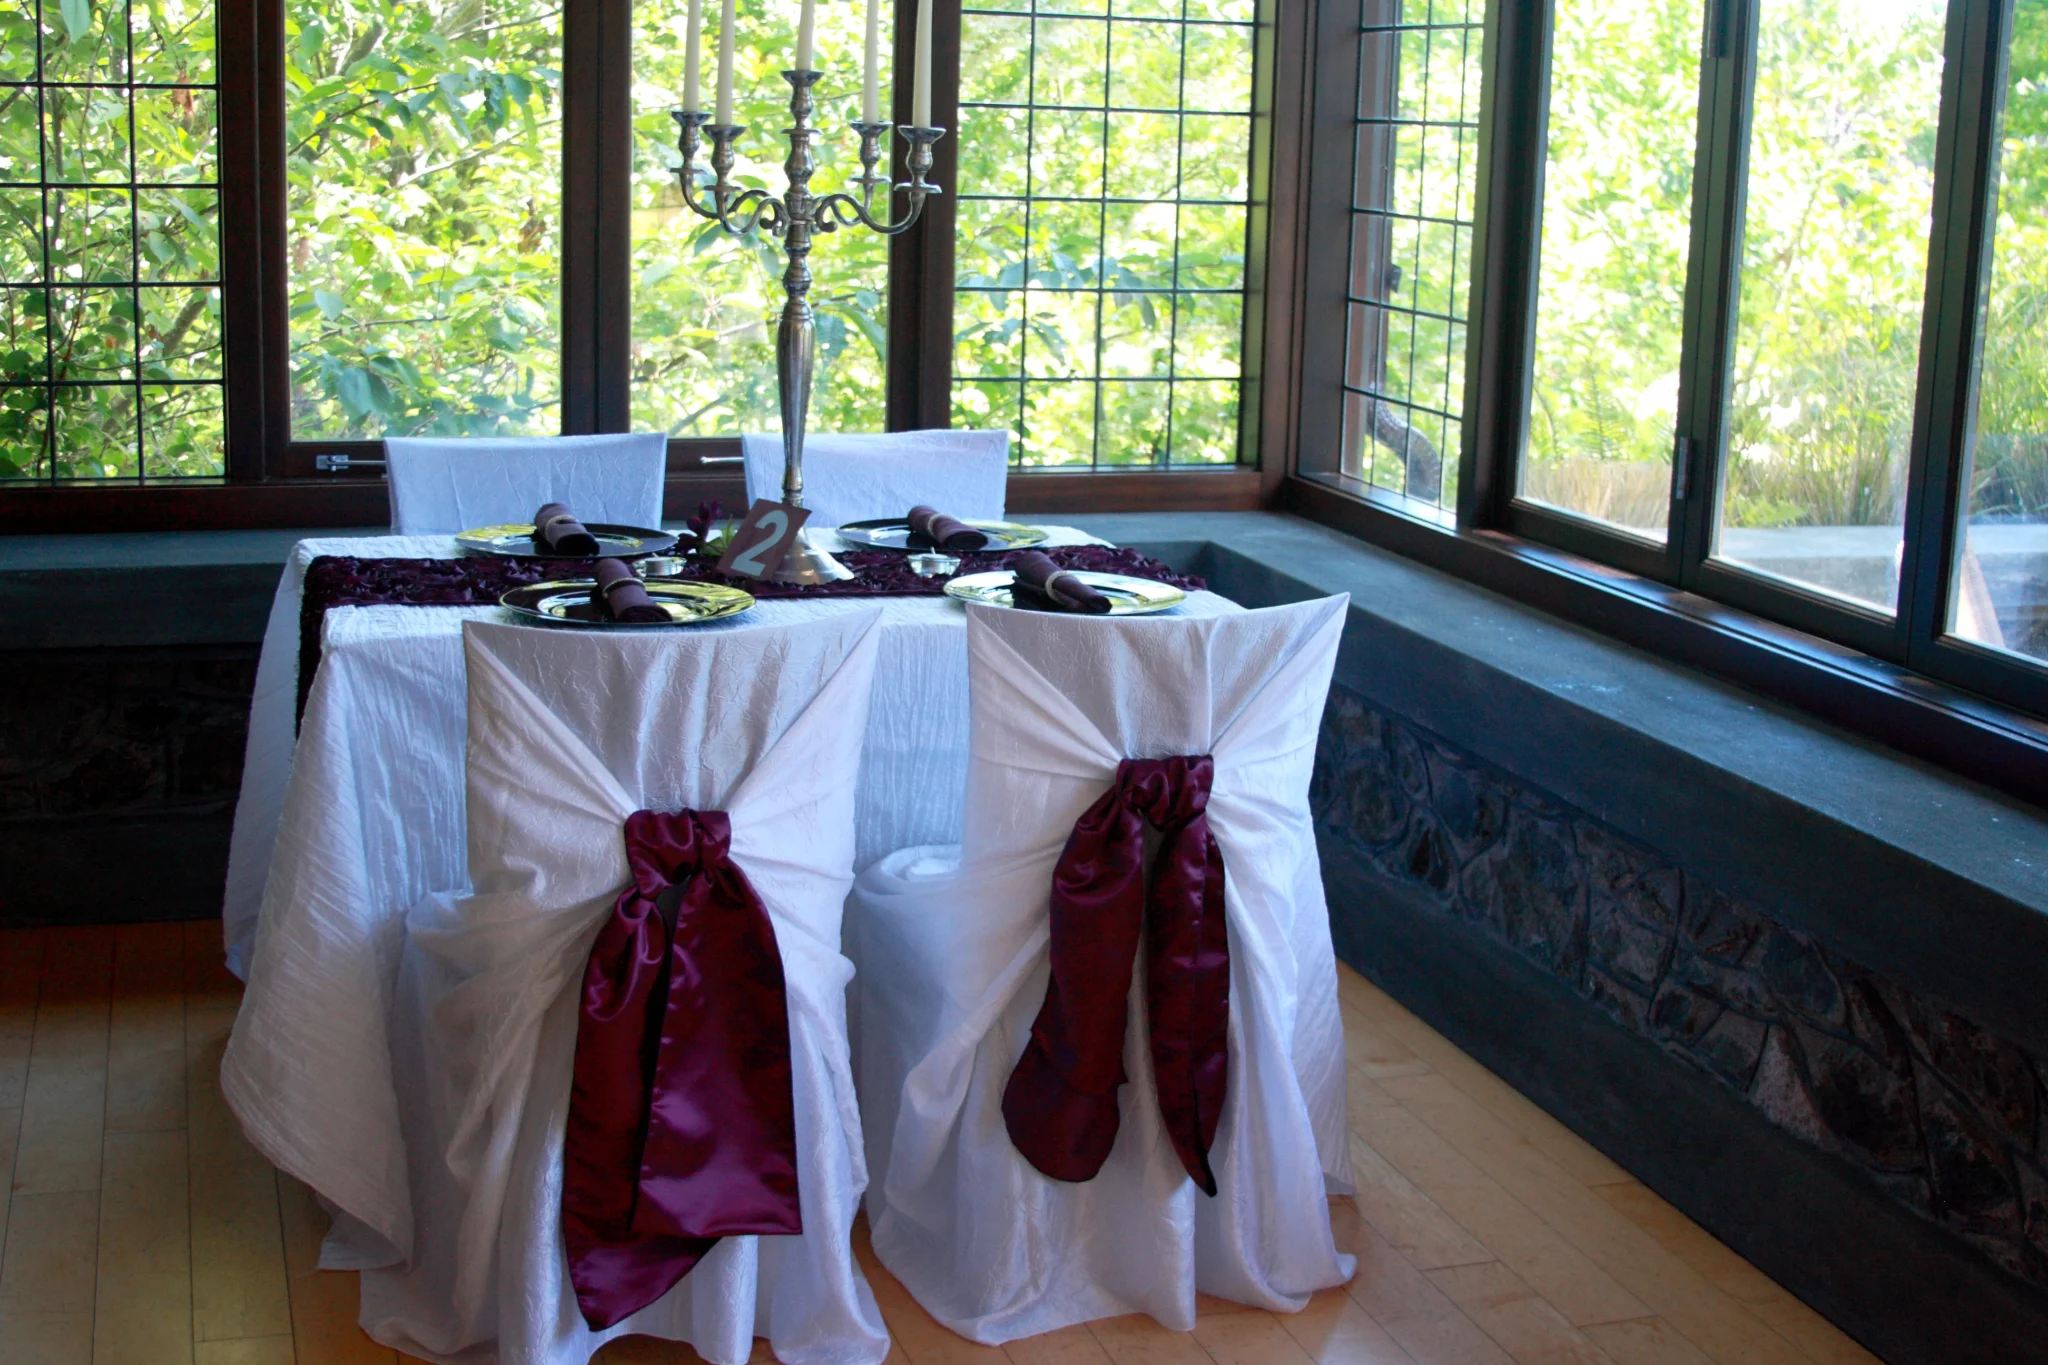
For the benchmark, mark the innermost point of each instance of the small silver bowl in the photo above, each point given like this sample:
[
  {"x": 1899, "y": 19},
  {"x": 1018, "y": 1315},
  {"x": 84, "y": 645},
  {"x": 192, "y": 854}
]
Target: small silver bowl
[
  {"x": 657, "y": 566},
  {"x": 932, "y": 565}
]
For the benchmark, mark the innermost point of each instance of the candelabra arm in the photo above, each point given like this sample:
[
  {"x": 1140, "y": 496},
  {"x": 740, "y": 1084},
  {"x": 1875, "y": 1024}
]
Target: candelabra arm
[{"x": 794, "y": 217}]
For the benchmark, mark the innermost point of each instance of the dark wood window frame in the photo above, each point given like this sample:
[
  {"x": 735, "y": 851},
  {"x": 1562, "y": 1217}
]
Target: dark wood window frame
[
  {"x": 1904, "y": 682},
  {"x": 272, "y": 479}
]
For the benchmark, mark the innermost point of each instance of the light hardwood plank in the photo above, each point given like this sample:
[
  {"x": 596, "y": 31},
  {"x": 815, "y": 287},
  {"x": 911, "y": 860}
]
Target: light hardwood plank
[
  {"x": 1820, "y": 1340},
  {"x": 1712, "y": 1320},
  {"x": 325, "y": 1304},
  {"x": 39, "y": 1338},
  {"x": 1721, "y": 1267},
  {"x": 1505, "y": 1226},
  {"x": 1414, "y": 1312},
  {"x": 1690, "y": 1242},
  {"x": 1646, "y": 1341},
  {"x": 1137, "y": 1340},
  {"x": 1334, "y": 1330},
  {"x": 1512, "y": 1313},
  {"x": 238, "y": 1273},
  {"x": 207, "y": 977},
  {"x": 146, "y": 1032},
  {"x": 1361, "y": 1090},
  {"x": 245, "y": 1351},
  {"x": 1373, "y": 1052},
  {"x": 1255, "y": 1338},
  {"x": 1074, "y": 1345},
  {"x": 644, "y": 1350},
  {"x": 63, "y": 1110},
  {"x": 142, "y": 1311},
  {"x": 46, "y": 1279},
  {"x": 52, "y": 1241},
  {"x": 1405, "y": 1216},
  {"x": 923, "y": 1339},
  {"x": 10, "y": 1131},
  {"x": 1584, "y": 1161},
  {"x": 21, "y": 969}
]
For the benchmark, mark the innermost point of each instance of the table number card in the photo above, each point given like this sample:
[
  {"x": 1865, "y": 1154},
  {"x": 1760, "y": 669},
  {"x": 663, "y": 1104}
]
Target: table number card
[{"x": 762, "y": 539}]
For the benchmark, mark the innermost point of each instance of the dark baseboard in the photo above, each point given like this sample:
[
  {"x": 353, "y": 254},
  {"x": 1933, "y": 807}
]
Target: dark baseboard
[
  {"x": 1909, "y": 1291},
  {"x": 111, "y": 870}
]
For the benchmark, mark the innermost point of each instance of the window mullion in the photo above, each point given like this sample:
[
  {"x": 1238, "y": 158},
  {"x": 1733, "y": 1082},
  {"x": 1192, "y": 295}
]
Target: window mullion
[
  {"x": 920, "y": 363},
  {"x": 597, "y": 153},
  {"x": 1966, "y": 183},
  {"x": 1713, "y": 276},
  {"x": 1515, "y": 67}
]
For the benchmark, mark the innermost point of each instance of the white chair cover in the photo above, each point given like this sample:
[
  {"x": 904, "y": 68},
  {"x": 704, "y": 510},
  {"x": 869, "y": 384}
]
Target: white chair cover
[
  {"x": 954, "y": 969},
  {"x": 446, "y": 486},
  {"x": 858, "y": 478},
  {"x": 568, "y": 735}
]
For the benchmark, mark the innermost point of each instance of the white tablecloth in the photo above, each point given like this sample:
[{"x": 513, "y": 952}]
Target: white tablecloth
[
  {"x": 399, "y": 713},
  {"x": 346, "y": 830}
]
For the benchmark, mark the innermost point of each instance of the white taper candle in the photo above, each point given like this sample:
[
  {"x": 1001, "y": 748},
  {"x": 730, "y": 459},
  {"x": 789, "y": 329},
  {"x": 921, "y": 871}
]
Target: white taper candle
[
  {"x": 871, "y": 73},
  {"x": 693, "y": 58},
  {"x": 806, "y": 23},
  {"x": 921, "y": 90},
  {"x": 725, "y": 54}
]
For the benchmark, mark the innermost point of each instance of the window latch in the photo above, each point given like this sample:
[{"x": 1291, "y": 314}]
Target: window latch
[
  {"x": 1682, "y": 449},
  {"x": 338, "y": 464},
  {"x": 1393, "y": 279}
]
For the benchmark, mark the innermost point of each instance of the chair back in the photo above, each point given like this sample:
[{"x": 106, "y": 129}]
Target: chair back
[
  {"x": 1056, "y": 701},
  {"x": 859, "y": 478},
  {"x": 572, "y": 731},
  {"x": 441, "y": 487},
  {"x": 570, "y": 734}
]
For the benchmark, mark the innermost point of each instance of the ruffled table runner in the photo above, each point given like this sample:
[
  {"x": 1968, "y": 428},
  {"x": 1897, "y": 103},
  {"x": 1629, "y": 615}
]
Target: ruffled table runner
[{"x": 480, "y": 580}]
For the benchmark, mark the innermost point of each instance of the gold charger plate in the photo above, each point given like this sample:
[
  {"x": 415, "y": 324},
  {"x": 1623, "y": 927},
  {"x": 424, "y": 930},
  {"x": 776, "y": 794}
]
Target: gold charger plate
[
  {"x": 893, "y": 533},
  {"x": 1127, "y": 596},
  {"x": 566, "y": 602},
  {"x": 613, "y": 541}
]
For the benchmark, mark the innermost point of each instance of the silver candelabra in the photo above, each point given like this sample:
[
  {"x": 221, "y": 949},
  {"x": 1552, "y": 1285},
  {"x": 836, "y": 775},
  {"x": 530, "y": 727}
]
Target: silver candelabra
[{"x": 794, "y": 218}]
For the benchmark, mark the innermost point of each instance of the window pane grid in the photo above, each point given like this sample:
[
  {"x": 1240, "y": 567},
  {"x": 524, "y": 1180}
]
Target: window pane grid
[
  {"x": 110, "y": 351},
  {"x": 1103, "y": 214},
  {"x": 1415, "y": 144},
  {"x": 423, "y": 177}
]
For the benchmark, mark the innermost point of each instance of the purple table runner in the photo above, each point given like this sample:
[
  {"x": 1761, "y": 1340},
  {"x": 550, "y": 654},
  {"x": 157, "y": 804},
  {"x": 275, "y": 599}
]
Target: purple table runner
[{"x": 480, "y": 580}]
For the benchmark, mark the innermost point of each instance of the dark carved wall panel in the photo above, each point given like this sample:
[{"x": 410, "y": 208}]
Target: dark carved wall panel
[
  {"x": 1940, "y": 1113},
  {"x": 118, "y": 774}
]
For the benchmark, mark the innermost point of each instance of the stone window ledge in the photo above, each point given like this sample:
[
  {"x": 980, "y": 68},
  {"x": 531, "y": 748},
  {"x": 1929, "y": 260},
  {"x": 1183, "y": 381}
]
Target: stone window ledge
[
  {"x": 1912, "y": 871},
  {"x": 1919, "y": 874}
]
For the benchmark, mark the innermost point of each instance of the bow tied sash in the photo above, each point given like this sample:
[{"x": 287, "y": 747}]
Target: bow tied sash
[
  {"x": 1061, "y": 1102},
  {"x": 682, "y": 1125}
]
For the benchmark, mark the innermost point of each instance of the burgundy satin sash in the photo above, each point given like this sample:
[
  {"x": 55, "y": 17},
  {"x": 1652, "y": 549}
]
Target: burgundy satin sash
[
  {"x": 682, "y": 1122},
  {"x": 1061, "y": 1102}
]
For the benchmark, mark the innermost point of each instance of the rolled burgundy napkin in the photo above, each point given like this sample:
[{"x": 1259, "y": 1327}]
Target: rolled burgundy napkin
[
  {"x": 619, "y": 595},
  {"x": 555, "y": 528},
  {"x": 1044, "y": 584},
  {"x": 948, "y": 533}
]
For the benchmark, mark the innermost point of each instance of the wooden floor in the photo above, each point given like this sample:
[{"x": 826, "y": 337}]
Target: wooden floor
[{"x": 142, "y": 1230}]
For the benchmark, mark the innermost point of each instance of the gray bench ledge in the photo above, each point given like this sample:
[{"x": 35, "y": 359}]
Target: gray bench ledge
[{"x": 1908, "y": 869}]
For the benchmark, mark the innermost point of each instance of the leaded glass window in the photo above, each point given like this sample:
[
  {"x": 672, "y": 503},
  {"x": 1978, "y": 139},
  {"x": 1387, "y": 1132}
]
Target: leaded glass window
[
  {"x": 110, "y": 307},
  {"x": 1416, "y": 173},
  {"x": 1104, "y": 155}
]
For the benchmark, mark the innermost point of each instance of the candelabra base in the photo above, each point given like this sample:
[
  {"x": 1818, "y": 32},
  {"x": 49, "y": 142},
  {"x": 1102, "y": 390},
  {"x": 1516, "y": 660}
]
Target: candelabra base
[{"x": 806, "y": 563}]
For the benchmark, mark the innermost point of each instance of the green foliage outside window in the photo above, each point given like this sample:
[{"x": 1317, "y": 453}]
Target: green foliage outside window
[
  {"x": 423, "y": 166},
  {"x": 705, "y": 303},
  {"x": 1834, "y": 264},
  {"x": 2010, "y": 480},
  {"x": 110, "y": 310},
  {"x": 1100, "y": 253}
]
